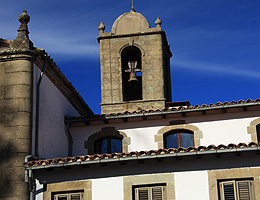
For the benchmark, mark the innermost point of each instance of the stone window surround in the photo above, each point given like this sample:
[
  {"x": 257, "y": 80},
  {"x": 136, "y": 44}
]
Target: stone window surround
[
  {"x": 86, "y": 186},
  {"x": 252, "y": 130},
  {"x": 151, "y": 179},
  {"x": 225, "y": 174},
  {"x": 107, "y": 132},
  {"x": 159, "y": 137}
]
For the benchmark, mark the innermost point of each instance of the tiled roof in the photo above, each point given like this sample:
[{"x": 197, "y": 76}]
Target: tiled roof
[
  {"x": 88, "y": 159},
  {"x": 189, "y": 107},
  {"x": 169, "y": 110}
]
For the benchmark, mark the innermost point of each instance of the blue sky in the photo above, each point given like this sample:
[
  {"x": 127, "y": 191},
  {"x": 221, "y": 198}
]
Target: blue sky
[{"x": 215, "y": 44}]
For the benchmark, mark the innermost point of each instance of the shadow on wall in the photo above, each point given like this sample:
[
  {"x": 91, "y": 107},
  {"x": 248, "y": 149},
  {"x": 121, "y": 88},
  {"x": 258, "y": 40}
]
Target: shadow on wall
[{"x": 8, "y": 155}]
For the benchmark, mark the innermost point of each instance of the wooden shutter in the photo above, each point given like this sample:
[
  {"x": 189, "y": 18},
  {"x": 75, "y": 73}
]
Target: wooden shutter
[
  {"x": 157, "y": 193},
  {"x": 245, "y": 190},
  {"x": 142, "y": 193},
  {"x": 71, "y": 196},
  {"x": 150, "y": 193},
  {"x": 227, "y": 190},
  {"x": 237, "y": 190},
  {"x": 61, "y": 197}
]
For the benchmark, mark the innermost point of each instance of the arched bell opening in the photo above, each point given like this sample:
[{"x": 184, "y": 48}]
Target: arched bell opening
[{"x": 132, "y": 73}]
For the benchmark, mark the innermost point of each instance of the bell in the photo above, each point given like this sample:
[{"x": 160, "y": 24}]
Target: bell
[{"x": 132, "y": 77}]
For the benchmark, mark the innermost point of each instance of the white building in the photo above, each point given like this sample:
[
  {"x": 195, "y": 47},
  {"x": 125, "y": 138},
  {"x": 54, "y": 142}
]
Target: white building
[{"x": 143, "y": 147}]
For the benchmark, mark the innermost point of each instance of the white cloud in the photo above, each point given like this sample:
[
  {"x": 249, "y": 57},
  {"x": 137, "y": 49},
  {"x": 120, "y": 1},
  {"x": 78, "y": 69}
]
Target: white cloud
[{"x": 210, "y": 68}]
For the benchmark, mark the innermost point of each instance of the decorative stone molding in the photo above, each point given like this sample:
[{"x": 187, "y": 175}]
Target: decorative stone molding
[
  {"x": 197, "y": 133},
  {"x": 229, "y": 174},
  {"x": 107, "y": 132},
  {"x": 252, "y": 130},
  {"x": 86, "y": 186},
  {"x": 130, "y": 181}
]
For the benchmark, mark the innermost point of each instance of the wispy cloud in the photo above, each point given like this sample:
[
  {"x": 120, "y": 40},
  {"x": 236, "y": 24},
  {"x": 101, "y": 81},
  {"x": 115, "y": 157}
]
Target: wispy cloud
[{"x": 214, "y": 68}]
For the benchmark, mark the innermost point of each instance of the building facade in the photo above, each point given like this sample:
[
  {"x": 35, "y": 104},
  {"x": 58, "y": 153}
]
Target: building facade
[{"x": 142, "y": 147}]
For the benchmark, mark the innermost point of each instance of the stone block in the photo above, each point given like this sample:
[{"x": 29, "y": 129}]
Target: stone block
[
  {"x": 17, "y": 119},
  {"x": 19, "y": 66},
  {"x": 24, "y": 105},
  {"x": 23, "y": 132},
  {"x": 8, "y": 133},
  {"x": 9, "y": 105},
  {"x": 23, "y": 146},
  {"x": 7, "y": 189},
  {"x": 1, "y": 92},
  {"x": 18, "y": 78},
  {"x": 10, "y": 173},
  {"x": 8, "y": 159},
  {"x": 17, "y": 91}
]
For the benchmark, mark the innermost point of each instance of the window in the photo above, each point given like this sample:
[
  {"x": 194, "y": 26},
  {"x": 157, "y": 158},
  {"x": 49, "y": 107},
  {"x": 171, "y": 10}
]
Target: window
[
  {"x": 150, "y": 193},
  {"x": 132, "y": 90},
  {"x": 69, "y": 196},
  {"x": 258, "y": 132},
  {"x": 108, "y": 145},
  {"x": 179, "y": 138},
  {"x": 236, "y": 190}
]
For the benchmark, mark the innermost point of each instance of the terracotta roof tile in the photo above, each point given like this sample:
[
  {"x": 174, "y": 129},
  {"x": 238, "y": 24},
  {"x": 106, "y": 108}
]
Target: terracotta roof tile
[{"x": 136, "y": 153}]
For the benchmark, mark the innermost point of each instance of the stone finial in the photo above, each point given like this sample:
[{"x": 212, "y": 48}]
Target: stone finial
[
  {"x": 158, "y": 22},
  {"x": 22, "y": 41},
  {"x": 24, "y": 18},
  {"x": 101, "y": 27}
]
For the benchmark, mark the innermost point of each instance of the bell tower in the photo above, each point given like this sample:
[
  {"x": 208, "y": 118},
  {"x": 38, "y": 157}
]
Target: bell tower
[{"x": 135, "y": 65}]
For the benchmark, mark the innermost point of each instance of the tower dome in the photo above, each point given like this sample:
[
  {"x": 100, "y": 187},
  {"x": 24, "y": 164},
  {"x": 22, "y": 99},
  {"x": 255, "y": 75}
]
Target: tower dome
[{"x": 131, "y": 22}]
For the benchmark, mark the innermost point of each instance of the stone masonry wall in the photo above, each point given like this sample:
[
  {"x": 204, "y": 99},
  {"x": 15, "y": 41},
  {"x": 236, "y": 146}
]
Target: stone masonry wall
[
  {"x": 152, "y": 70},
  {"x": 15, "y": 124}
]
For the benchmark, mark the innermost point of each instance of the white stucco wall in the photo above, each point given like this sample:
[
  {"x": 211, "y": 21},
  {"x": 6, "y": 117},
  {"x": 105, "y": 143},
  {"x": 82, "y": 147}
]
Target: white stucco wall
[
  {"x": 191, "y": 185},
  {"x": 218, "y": 129},
  {"x": 107, "y": 188},
  {"x": 38, "y": 190},
  {"x": 54, "y": 107}
]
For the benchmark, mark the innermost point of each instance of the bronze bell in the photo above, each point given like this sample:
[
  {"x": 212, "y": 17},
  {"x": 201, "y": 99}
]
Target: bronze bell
[{"x": 132, "y": 77}]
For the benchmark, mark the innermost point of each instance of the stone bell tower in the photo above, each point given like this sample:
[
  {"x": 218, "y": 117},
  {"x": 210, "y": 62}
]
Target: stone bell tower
[{"x": 135, "y": 65}]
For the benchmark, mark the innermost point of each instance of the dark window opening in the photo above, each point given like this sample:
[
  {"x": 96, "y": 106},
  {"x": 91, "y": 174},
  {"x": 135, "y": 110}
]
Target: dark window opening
[
  {"x": 108, "y": 145},
  {"x": 132, "y": 89},
  {"x": 258, "y": 132},
  {"x": 179, "y": 138}
]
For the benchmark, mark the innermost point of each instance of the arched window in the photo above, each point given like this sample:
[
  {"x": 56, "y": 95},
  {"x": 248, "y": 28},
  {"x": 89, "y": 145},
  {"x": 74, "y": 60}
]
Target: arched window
[
  {"x": 108, "y": 145},
  {"x": 178, "y": 138},
  {"x": 254, "y": 130},
  {"x": 131, "y": 68},
  {"x": 178, "y": 134},
  {"x": 107, "y": 140}
]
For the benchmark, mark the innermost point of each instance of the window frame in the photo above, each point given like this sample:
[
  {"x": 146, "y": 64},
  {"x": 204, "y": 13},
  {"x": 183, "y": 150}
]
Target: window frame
[
  {"x": 138, "y": 188},
  {"x": 179, "y": 132},
  {"x": 236, "y": 190},
  {"x": 108, "y": 144},
  {"x": 258, "y": 133},
  {"x": 68, "y": 195}
]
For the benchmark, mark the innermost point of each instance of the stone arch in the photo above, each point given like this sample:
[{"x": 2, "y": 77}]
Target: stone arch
[
  {"x": 252, "y": 129},
  {"x": 107, "y": 132},
  {"x": 129, "y": 44},
  {"x": 159, "y": 137}
]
